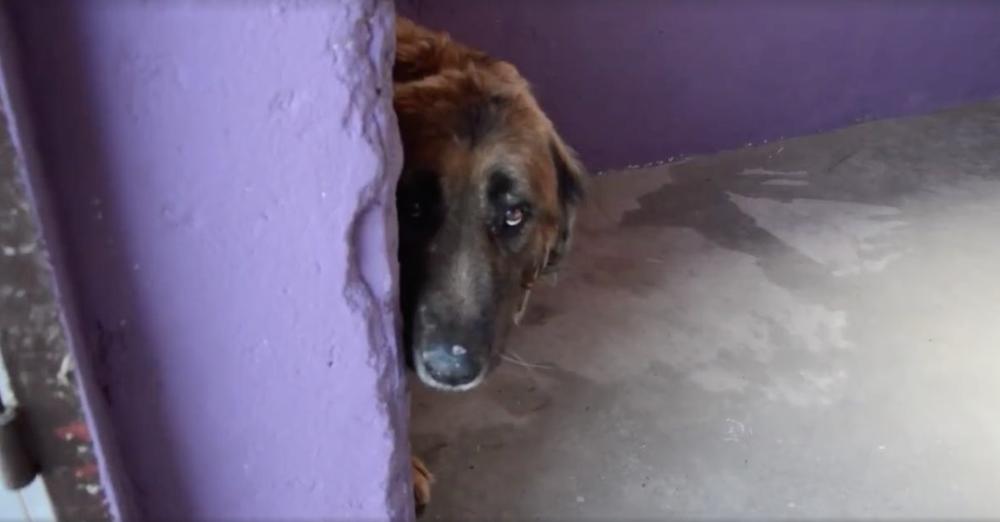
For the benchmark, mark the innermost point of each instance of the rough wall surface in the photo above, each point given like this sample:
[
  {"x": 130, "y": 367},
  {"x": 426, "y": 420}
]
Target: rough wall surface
[
  {"x": 224, "y": 174},
  {"x": 640, "y": 81}
]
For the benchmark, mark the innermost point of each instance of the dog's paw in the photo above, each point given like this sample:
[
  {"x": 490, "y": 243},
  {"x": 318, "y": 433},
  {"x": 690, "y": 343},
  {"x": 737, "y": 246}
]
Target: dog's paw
[{"x": 422, "y": 480}]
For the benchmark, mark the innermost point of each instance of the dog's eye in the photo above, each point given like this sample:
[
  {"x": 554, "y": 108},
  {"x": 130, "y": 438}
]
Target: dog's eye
[{"x": 513, "y": 217}]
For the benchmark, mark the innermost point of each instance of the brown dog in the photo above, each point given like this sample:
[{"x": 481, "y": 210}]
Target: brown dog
[{"x": 486, "y": 203}]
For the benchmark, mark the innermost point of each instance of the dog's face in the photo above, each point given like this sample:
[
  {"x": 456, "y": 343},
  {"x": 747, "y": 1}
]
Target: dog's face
[{"x": 485, "y": 205}]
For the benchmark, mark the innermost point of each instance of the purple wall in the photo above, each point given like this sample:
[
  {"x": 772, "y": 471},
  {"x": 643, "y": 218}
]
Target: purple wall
[
  {"x": 642, "y": 80},
  {"x": 224, "y": 176}
]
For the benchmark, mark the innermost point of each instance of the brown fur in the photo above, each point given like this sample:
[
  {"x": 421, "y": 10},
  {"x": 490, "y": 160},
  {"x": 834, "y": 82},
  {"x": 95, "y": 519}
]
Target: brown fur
[
  {"x": 461, "y": 113},
  {"x": 441, "y": 85}
]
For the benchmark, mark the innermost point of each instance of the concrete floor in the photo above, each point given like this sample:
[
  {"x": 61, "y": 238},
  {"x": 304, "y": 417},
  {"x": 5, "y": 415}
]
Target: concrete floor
[{"x": 809, "y": 328}]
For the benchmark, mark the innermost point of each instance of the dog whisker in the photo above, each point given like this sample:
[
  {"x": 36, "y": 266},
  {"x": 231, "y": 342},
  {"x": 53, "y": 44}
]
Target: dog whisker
[{"x": 513, "y": 358}]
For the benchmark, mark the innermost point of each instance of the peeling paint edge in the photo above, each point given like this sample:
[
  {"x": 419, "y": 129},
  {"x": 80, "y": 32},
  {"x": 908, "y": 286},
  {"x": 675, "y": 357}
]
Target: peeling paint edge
[{"x": 360, "y": 288}]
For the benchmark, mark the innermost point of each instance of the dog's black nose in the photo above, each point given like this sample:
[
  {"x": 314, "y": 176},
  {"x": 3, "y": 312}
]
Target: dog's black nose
[{"x": 449, "y": 366}]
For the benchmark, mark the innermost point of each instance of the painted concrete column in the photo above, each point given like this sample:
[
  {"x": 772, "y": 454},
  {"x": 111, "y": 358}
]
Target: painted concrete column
[{"x": 223, "y": 179}]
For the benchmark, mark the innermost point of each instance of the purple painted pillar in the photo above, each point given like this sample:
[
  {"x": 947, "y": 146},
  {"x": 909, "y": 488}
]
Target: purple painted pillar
[{"x": 224, "y": 178}]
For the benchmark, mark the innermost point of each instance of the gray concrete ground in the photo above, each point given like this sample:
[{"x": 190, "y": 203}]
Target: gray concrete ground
[{"x": 809, "y": 328}]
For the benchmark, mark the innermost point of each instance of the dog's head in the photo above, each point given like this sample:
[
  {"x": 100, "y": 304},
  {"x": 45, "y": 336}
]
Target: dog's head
[{"x": 486, "y": 203}]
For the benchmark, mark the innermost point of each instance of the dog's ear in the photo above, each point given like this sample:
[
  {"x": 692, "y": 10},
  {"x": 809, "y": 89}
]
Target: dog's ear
[
  {"x": 421, "y": 52},
  {"x": 571, "y": 186}
]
